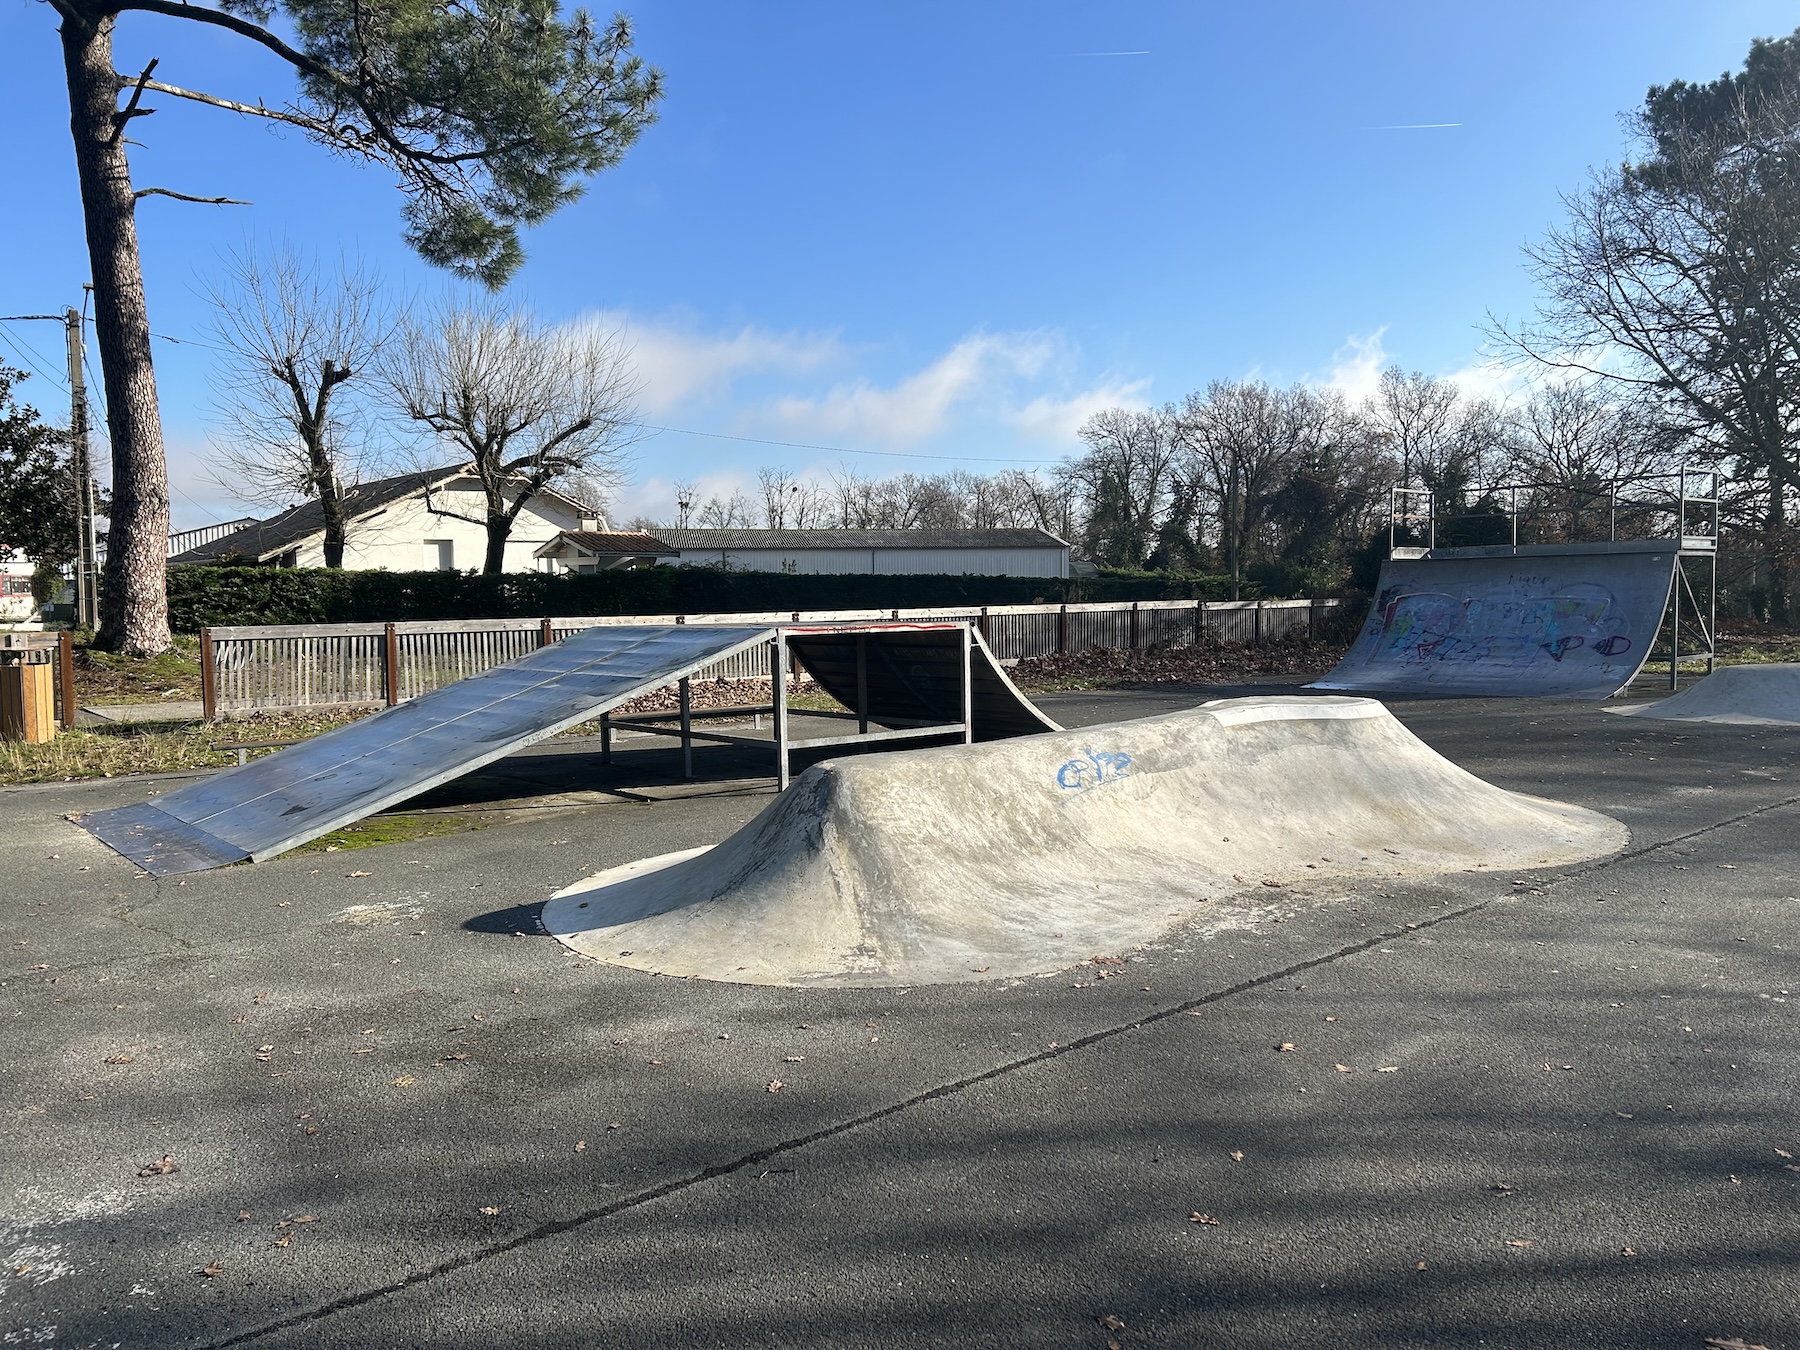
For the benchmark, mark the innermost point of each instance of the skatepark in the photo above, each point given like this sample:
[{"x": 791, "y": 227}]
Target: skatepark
[{"x": 1228, "y": 1015}]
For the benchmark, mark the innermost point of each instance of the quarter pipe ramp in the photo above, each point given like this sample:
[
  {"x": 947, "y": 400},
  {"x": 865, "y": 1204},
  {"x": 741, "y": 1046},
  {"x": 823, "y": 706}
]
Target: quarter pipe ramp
[
  {"x": 1023, "y": 857},
  {"x": 1557, "y": 622}
]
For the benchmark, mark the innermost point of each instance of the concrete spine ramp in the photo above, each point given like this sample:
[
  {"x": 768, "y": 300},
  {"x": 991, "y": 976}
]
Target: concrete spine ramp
[
  {"x": 1556, "y": 622},
  {"x": 1023, "y": 857},
  {"x": 1755, "y": 696}
]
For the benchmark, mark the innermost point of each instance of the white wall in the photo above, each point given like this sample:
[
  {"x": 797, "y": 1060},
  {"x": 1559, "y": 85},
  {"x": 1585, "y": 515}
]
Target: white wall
[
  {"x": 17, "y": 608},
  {"x": 984, "y": 562},
  {"x": 395, "y": 537}
]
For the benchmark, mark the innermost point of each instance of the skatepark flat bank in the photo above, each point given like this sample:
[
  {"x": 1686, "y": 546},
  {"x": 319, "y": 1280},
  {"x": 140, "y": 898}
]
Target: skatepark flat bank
[{"x": 1023, "y": 857}]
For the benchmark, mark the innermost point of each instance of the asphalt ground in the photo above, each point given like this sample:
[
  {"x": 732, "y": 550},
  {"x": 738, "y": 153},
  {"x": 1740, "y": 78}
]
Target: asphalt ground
[{"x": 1547, "y": 1109}]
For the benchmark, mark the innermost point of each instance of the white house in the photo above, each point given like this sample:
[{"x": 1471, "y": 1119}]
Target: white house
[
  {"x": 411, "y": 523},
  {"x": 17, "y": 606},
  {"x": 987, "y": 553}
]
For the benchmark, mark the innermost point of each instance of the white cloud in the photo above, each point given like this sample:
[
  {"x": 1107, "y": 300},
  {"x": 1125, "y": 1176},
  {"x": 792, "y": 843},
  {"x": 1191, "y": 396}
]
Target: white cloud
[
  {"x": 978, "y": 369},
  {"x": 1357, "y": 365},
  {"x": 1047, "y": 418},
  {"x": 679, "y": 365}
]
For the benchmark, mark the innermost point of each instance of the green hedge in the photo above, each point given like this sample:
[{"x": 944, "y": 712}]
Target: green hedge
[{"x": 203, "y": 596}]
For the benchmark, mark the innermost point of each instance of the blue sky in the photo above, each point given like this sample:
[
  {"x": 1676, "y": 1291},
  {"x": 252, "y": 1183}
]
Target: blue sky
[{"x": 944, "y": 232}]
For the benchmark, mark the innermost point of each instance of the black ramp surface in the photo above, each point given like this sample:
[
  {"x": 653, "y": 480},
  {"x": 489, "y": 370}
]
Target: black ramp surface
[
  {"x": 1557, "y": 622},
  {"x": 915, "y": 674},
  {"x": 275, "y": 803}
]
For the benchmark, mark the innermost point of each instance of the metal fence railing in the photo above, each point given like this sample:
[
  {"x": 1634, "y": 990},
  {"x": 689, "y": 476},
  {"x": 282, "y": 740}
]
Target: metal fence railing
[{"x": 284, "y": 666}]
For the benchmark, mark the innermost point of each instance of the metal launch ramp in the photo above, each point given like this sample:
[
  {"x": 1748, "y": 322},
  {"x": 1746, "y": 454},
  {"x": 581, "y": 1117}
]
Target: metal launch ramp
[{"x": 921, "y": 681}]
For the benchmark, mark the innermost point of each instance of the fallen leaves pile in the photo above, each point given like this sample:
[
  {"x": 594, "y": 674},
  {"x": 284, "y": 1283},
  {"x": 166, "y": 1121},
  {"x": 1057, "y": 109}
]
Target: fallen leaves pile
[{"x": 1213, "y": 663}]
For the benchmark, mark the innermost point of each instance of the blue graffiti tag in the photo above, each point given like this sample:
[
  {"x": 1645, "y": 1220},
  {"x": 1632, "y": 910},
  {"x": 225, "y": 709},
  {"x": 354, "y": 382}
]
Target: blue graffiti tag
[{"x": 1100, "y": 766}]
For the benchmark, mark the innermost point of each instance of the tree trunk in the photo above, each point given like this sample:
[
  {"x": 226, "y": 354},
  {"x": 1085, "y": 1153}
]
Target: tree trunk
[
  {"x": 331, "y": 505},
  {"x": 134, "y": 604},
  {"x": 498, "y": 528}
]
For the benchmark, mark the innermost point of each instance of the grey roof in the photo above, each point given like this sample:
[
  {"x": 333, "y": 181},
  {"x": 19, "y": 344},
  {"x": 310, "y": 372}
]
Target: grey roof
[
  {"x": 266, "y": 540},
  {"x": 699, "y": 541},
  {"x": 612, "y": 543}
]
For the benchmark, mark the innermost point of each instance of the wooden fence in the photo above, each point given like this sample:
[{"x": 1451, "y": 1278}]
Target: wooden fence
[
  {"x": 326, "y": 665},
  {"x": 56, "y": 649}
]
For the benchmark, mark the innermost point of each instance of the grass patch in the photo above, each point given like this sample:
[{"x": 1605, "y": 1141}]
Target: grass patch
[
  {"x": 107, "y": 677},
  {"x": 113, "y": 751},
  {"x": 402, "y": 827}
]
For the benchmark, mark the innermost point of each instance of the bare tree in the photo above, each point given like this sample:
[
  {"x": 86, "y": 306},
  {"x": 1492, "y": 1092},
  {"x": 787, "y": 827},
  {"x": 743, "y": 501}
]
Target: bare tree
[
  {"x": 527, "y": 407},
  {"x": 1123, "y": 481},
  {"x": 736, "y": 512},
  {"x": 1675, "y": 275},
  {"x": 293, "y": 388}
]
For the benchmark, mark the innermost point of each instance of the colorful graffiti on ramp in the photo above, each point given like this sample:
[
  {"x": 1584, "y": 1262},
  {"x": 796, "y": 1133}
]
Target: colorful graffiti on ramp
[{"x": 1560, "y": 625}]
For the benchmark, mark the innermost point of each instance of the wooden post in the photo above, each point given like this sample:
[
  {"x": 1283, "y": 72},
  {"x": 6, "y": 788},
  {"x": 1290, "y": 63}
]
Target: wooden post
[
  {"x": 390, "y": 666},
  {"x": 778, "y": 670},
  {"x": 687, "y": 727},
  {"x": 862, "y": 684},
  {"x": 65, "y": 673},
  {"x": 985, "y": 635},
  {"x": 1062, "y": 629},
  {"x": 1256, "y": 625},
  {"x": 1199, "y": 622},
  {"x": 209, "y": 677},
  {"x": 968, "y": 688},
  {"x": 545, "y": 635},
  {"x": 1134, "y": 625},
  {"x": 605, "y": 738}
]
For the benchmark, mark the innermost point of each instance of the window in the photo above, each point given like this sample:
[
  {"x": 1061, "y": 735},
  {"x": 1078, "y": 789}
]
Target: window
[
  {"x": 15, "y": 586},
  {"x": 440, "y": 555}
]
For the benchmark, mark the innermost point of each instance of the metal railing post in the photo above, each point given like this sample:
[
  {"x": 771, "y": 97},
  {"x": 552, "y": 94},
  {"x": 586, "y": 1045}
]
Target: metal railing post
[
  {"x": 685, "y": 686},
  {"x": 968, "y": 690},
  {"x": 862, "y": 684},
  {"x": 778, "y": 674}
]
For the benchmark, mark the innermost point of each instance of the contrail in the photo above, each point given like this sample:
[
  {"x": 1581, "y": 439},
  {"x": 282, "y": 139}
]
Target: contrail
[
  {"x": 1415, "y": 126},
  {"x": 1109, "y": 53}
]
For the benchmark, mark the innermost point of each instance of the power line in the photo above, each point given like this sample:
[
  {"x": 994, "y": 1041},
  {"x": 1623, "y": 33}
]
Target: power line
[
  {"x": 836, "y": 449},
  {"x": 20, "y": 347}
]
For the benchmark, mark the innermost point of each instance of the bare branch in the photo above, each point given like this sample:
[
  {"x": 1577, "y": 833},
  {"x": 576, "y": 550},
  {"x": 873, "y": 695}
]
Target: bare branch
[
  {"x": 131, "y": 109},
  {"x": 184, "y": 197},
  {"x": 248, "y": 109}
]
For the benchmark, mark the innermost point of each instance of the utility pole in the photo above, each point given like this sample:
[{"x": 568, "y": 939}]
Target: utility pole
[{"x": 87, "y": 573}]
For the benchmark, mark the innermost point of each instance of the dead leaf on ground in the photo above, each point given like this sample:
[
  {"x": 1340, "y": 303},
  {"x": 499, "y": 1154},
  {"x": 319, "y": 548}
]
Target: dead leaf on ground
[
  {"x": 162, "y": 1167},
  {"x": 1501, "y": 1188},
  {"x": 1284, "y": 1047},
  {"x": 1388, "y": 1068},
  {"x": 490, "y": 1210},
  {"x": 212, "y": 1268},
  {"x": 356, "y": 874},
  {"x": 1518, "y": 1242},
  {"x": 775, "y": 1085},
  {"x": 1276, "y": 884},
  {"x": 285, "y": 1240},
  {"x": 1628, "y": 1251},
  {"x": 1198, "y": 1217},
  {"x": 455, "y": 1059},
  {"x": 244, "y": 1216},
  {"x": 120, "y": 1059},
  {"x": 1731, "y": 1343},
  {"x": 1343, "y": 1068},
  {"x": 581, "y": 1146},
  {"x": 1110, "y": 1322},
  {"x": 1782, "y": 1153},
  {"x": 405, "y": 1080},
  {"x": 1237, "y": 1155}
]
